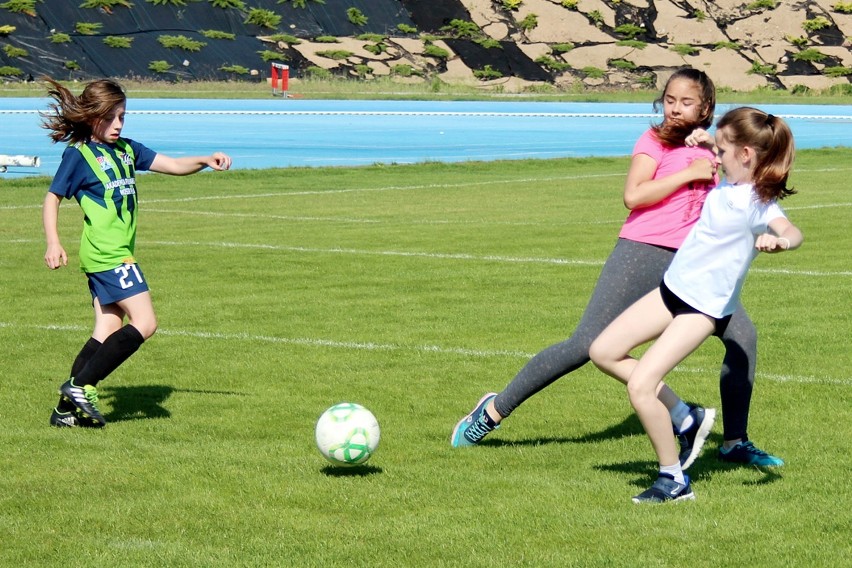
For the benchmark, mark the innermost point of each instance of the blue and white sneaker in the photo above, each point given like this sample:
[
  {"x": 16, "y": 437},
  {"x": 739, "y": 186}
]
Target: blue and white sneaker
[
  {"x": 693, "y": 438},
  {"x": 475, "y": 426},
  {"x": 749, "y": 454},
  {"x": 666, "y": 489}
]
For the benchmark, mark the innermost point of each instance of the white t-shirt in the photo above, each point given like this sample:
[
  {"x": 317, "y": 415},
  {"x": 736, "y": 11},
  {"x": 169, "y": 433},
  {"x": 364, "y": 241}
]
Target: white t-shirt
[{"x": 709, "y": 269}]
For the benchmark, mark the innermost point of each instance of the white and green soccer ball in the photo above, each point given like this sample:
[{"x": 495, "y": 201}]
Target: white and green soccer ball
[{"x": 347, "y": 434}]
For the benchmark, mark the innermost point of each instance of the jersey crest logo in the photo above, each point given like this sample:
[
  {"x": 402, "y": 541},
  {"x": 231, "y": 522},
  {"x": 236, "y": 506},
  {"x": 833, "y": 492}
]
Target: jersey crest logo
[
  {"x": 104, "y": 163},
  {"x": 125, "y": 158}
]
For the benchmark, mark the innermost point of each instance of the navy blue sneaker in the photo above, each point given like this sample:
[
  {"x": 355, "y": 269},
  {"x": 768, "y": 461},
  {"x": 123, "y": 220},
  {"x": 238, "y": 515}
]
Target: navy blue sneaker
[
  {"x": 749, "y": 454},
  {"x": 666, "y": 489},
  {"x": 475, "y": 426},
  {"x": 693, "y": 438}
]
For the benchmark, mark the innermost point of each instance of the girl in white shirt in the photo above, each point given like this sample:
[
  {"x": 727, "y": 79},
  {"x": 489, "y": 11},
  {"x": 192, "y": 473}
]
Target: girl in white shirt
[{"x": 701, "y": 288}]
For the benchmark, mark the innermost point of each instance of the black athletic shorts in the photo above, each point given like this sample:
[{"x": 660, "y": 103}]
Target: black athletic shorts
[{"x": 677, "y": 307}]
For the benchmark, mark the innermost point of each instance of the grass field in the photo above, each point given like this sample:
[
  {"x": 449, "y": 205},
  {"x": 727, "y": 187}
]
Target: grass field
[{"x": 411, "y": 290}]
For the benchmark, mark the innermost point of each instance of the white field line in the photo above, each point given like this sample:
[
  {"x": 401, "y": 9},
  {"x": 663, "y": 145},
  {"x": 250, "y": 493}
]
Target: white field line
[
  {"x": 391, "y": 347},
  {"x": 437, "y": 256}
]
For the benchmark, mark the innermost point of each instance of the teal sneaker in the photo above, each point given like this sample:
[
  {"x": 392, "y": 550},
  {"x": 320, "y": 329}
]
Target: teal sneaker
[
  {"x": 475, "y": 426},
  {"x": 85, "y": 401},
  {"x": 666, "y": 489},
  {"x": 749, "y": 454}
]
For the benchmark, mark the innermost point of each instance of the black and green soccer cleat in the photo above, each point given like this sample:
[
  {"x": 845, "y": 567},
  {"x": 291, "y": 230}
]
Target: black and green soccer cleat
[{"x": 85, "y": 401}]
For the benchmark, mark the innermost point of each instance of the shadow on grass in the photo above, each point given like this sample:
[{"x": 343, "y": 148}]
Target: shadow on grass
[
  {"x": 630, "y": 426},
  {"x": 144, "y": 402},
  {"x": 704, "y": 467},
  {"x": 351, "y": 471}
]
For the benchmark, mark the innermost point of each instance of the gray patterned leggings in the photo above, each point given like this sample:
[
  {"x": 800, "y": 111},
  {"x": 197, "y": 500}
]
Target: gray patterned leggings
[{"x": 631, "y": 271}]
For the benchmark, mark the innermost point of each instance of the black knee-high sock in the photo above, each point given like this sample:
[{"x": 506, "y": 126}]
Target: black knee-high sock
[
  {"x": 89, "y": 349},
  {"x": 87, "y": 352},
  {"x": 114, "y": 351}
]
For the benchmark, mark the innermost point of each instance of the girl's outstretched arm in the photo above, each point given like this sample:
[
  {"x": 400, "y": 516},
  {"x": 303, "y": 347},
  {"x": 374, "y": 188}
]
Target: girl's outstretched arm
[
  {"x": 190, "y": 164},
  {"x": 54, "y": 256},
  {"x": 784, "y": 235}
]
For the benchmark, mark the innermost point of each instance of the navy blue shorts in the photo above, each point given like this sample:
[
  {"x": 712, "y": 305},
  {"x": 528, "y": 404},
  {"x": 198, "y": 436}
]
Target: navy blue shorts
[
  {"x": 677, "y": 307},
  {"x": 111, "y": 286}
]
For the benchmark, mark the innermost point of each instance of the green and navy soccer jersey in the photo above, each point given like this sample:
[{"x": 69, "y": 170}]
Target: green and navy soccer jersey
[{"x": 102, "y": 178}]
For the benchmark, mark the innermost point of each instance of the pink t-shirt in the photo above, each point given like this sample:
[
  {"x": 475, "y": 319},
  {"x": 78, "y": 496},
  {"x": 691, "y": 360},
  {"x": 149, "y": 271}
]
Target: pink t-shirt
[{"x": 667, "y": 223}]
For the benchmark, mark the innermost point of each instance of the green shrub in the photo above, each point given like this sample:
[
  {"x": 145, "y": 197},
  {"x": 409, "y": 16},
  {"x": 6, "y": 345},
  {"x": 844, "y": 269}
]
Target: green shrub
[
  {"x": 595, "y": 17},
  {"x": 761, "y": 5},
  {"x": 314, "y": 72},
  {"x": 164, "y": 2},
  {"x": 8, "y": 71},
  {"x": 570, "y": 4},
  {"x": 594, "y": 72},
  {"x": 20, "y": 7},
  {"x": 285, "y": 38},
  {"x": 432, "y": 50},
  {"x": 363, "y": 70},
  {"x": 6, "y": 30},
  {"x": 552, "y": 64},
  {"x": 811, "y": 54},
  {"x": 301, "y": 3},
  {"x": 699, "y": 15},
  {"x": 216, "y": 34},
  {"x": 335, "y": 54},
  {"x": 405, "y": 70},
  {"x": 634, "y": 43},
  {"x": 225, "y": 4},
  {"x": 376, "y": 38},
  {"x": 72, "y": 65},
  {"x": 511, "y": 5},
  {"x": 629, "y": 30},
  {"x": 376, "y": 48},
  {"x": 263, "y": 18},
  {"x": 799, "y": 42},
  {"x": 180, "y": 42},
  {"x": 816, "y": 24},
  {"x": 758, "y": 68},
  {"x": 561, "y": 47},
  {"x": 119, "y": 42},
  {"x": 60, "y": 37},
  {"x": 684, "y": 49},
  {"x": 356, "y": 17},
  {"x": 11, "y": 51},
  {"x": 530, "y": 22},
  {"x": 268, "y": 55},
  {"x": 726, "y": 45},
  {"x": 326, "y": 39},
  {"x": 105, "y": 4},
  {"x": 489, "y": 43},
  {"x": 462, "y": 29},
  {"x": 406, "y": 29},
  {"x": 159, "y": 66},
  {"x": 622, "y": 64},
  {"x": 236, "y": 69},
  {"x": 88, "y": 28},
  {"x": 837, "y": 71},
  {"x": 842, "y": 7},
  {"x": 487, "y": 73}
]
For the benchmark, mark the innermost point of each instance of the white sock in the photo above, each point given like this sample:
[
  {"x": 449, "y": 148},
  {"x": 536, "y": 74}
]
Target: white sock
[
  {"x": 681, "y": 418},
  {"x": 675, "y": 471}
]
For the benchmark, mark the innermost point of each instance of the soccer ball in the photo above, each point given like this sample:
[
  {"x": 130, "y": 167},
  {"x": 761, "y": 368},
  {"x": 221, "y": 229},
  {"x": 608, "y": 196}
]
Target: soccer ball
[{"x": 347, "y": 434}]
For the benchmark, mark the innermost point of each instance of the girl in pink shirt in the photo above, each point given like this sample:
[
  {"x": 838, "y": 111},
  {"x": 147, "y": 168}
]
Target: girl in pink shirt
[{"x": 665, "y": 189}]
